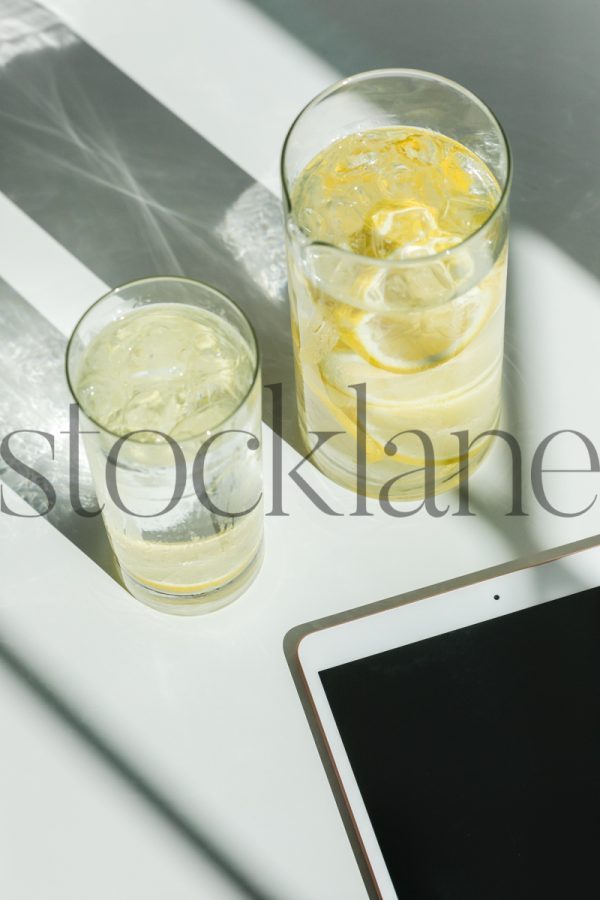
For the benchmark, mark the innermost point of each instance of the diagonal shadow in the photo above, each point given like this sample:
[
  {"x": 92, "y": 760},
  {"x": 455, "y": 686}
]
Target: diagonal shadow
[
  {"x": 535, "y": 64},
  {"x": 553, "y": 189},
  {"x": 131, "y": 190},
  {"x": 34, "y": 395},
  {"x": 132, "y": 778}
]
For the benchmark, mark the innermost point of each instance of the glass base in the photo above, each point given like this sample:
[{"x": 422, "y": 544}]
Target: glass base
[{"x": 182, "y": 604}]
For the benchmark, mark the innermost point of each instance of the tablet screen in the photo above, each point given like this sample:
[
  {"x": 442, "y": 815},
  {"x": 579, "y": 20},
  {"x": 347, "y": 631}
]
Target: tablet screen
[{"x": 477, "y": 754}]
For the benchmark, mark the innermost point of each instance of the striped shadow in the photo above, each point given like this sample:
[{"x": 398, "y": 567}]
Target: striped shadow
[
  {"x": 34, "y": 395},
  {"x": 131, "y": 190}
]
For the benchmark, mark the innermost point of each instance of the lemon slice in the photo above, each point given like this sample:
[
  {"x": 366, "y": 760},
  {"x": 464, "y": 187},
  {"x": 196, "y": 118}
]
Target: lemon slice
[
  {"x": 191, "y": 589},
  {"x": 341, "y": 406},
  {"x": 414, "y": 340},
  {"x": 393, "y": 409},
  {"x": 339, "y": 400}
]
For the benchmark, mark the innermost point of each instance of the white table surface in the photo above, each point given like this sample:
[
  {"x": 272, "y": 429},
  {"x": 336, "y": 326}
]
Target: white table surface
[{"x": 205, "y": 708}]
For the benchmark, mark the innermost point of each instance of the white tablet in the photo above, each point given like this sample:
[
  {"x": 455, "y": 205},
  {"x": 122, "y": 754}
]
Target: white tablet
[{"x": 460, "y": 728}]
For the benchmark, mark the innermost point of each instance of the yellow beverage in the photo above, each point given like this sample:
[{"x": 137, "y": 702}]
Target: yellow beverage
[
  {"x": 388, "y": 292},
  {"x": 186, "y": 372}
]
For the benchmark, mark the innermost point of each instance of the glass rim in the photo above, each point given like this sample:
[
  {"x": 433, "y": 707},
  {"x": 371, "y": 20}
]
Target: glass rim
[
  {"x": 169, "y": 278},
  {"x": 388, "y": 263}
]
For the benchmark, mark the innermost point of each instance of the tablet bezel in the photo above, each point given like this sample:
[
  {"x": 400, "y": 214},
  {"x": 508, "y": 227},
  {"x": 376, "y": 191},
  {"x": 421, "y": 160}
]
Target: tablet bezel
[{"x": 399, "y": 621}]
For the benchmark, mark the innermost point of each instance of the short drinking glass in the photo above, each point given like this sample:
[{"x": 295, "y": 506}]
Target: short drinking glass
[{"x": 166, "y": 373}]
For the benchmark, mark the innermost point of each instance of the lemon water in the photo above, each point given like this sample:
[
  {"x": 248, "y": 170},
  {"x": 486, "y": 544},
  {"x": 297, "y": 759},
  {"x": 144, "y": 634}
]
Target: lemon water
[
  {"x": 388, "y": 291},
  {"x": 183, "y": 371}
]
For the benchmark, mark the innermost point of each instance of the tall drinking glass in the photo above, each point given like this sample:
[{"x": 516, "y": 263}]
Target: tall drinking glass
[
  {"x": 395, "y": 186},
  {"x": 166, "y": 374}
]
